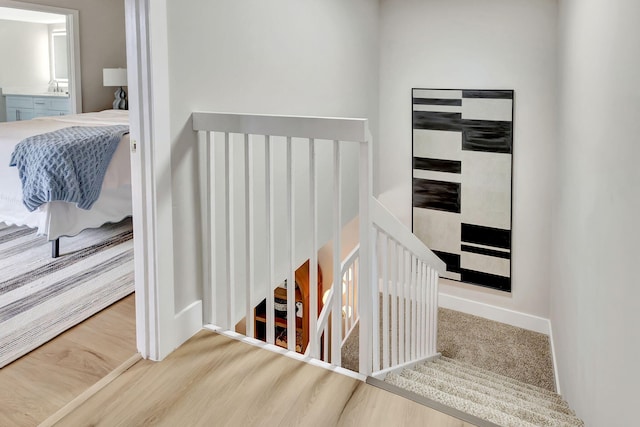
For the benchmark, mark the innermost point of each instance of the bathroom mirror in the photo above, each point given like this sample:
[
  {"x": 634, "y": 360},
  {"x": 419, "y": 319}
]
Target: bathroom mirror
[{"x": 59, "y": 56}]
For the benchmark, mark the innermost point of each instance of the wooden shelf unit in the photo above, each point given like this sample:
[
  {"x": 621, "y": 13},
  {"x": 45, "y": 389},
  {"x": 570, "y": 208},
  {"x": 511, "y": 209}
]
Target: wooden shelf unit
[{"x": 280, "y": 321}]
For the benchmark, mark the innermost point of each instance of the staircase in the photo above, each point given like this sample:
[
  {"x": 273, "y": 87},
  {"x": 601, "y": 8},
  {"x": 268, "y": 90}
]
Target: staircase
[
  {"x": 277, "y": 191},
  {"x": 489, "y": 396}
]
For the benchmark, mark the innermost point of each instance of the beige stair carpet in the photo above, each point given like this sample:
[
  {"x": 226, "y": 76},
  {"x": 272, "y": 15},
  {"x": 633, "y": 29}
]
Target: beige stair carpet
[
  {"x": 514, "y": 352},
  {"x": 504, "y": 349},
  {"x": 485, "y": 394}
]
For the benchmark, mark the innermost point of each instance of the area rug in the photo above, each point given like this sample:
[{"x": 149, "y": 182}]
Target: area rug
[{"x": 41, "y": 297}]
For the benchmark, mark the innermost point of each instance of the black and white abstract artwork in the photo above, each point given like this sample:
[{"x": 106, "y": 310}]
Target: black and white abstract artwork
[{"x": 462, "y": 168}]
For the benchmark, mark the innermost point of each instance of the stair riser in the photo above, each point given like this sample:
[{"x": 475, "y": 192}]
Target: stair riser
[
  {"x": 484, "y": 394},
  {"x": 459, "y": 403},
  {"x": 498, "y": 376},
  {"x": 553, "y": 402},
  {"x": 496, "y": 398}
]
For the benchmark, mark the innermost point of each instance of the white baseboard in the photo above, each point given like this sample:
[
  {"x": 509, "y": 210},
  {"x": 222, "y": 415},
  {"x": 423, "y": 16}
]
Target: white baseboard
[
  {"x": 283, "y": 351},
  {"x": 503, "y": 315},
  {"x": 492, "y": 312},
  {"x": 555, "y": 363}
]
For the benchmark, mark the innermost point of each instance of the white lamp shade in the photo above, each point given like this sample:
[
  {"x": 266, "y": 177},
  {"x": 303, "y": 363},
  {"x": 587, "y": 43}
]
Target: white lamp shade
[{"x": 114, "y": 76}]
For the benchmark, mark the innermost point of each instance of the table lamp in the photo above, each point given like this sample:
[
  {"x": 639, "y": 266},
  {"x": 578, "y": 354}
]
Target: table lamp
[{"x": 116, "y": 77}]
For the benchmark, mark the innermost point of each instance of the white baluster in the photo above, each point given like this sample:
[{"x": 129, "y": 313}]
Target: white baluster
[
  {"x": 270, "y": 327},
  {"x": 427, "y": 319},
  {"x": 336, "y": 323},
  {"x": 313, "y": 259},
  {"x": 208, "y": 231},
  {"x": 229, "y": 243},
  {"x": 423, "y": 308},
  {"x": 249, "y": 238},
  {"x": 385, "y": 301},
  {"x": 414, "y": 308},
  {"x": 291, "y": 282},
  {"x": 434, "y": 327},
  {"x": 375, "y": 302},
  {"x": 365, "y": 286},
  {"x": 325, "y": 336},
  {"x": 401, "y": 312},
  {"x": 407, "y": 306},
  {"x": 394, "y": 303}
]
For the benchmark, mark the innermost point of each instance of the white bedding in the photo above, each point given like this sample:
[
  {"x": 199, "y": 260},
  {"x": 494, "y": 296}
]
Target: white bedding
[{"x": 57, "y": 219}]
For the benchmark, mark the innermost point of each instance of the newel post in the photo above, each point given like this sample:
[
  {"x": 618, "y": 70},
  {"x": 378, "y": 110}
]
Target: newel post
[{"x": 365, "y": 288}]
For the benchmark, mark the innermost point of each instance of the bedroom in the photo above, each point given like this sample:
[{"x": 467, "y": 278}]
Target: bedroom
[{"x": 25, "y": 46}]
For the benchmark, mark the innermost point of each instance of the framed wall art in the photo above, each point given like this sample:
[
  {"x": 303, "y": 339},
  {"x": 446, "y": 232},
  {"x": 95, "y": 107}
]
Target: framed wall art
[{"x": 462, "y": 181}]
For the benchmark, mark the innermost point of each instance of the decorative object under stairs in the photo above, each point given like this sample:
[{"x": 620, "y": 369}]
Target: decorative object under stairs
[{"x": 489, "y": 396}]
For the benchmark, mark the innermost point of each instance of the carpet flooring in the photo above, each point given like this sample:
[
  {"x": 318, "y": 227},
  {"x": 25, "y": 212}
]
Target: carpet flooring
[
  {"x": 497, "y": 347},
  {"x": 503, "y": 349},
  {"x": 494, "y": 398},
  {"x": 41, "y": 297}
]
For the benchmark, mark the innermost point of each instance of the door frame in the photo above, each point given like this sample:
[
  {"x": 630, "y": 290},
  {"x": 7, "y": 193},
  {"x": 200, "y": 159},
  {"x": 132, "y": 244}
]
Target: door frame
[
  {"x": 149, "y": 116},
  {"x": 73, "y": 45}
]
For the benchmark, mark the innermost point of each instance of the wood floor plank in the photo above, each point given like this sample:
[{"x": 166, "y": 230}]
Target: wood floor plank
[
  {"x": 44, "y": 380},
  {"x": 214, "y": 380},
  {"x": 372, "y": 406}
]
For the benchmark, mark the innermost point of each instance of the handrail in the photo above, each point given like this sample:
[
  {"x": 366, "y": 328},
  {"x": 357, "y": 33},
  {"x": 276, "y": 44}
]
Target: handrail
[
  {"x": 405, "y": 275},
  {"x": 328, "y": 128},
  {"x": 323, "y": 318},
  {"x": 387, "y": 222},
  {"x": 353, "y": 255}
]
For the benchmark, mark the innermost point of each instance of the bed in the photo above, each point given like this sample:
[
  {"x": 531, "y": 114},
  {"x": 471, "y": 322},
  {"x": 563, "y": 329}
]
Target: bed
[{"x": 57, "y": 218}]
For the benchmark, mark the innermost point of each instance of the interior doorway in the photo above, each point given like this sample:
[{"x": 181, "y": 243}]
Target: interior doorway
[{"x": 41, "y": 49}]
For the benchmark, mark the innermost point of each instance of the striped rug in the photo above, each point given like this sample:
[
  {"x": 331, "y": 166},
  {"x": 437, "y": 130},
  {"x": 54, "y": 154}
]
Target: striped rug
[{"x": 41, "y": 297}]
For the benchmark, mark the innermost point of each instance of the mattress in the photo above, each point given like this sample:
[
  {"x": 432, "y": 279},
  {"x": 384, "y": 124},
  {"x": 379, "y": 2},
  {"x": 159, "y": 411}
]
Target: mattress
[{"x": 56, "y": 219}]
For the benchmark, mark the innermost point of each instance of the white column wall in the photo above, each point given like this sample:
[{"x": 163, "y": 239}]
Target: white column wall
[
  {"x": 595, "y": 294},
  {"x": 470, "y": 44},
  {"x": 278, "y": 57}
]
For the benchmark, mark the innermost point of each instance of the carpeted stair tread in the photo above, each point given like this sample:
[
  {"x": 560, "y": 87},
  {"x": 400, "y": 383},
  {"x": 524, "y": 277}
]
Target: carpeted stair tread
[
  {"x": 484, "y": 394},
  {"x": 476, "y": 383},
  {"x": 488, "y": 376},
  {"x": 457, "y": 402},
  {"x": 492, "y": 395},
  {"x": 498, "y": 377}
]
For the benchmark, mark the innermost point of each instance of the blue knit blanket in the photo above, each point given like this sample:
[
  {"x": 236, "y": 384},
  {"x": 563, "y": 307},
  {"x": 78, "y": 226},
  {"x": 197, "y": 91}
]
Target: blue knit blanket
[{"x": 67, "y": 164}]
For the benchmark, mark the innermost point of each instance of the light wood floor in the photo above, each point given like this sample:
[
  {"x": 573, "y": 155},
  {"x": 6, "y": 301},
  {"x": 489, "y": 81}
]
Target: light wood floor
[
  {"x": 35, "y": 386},
  {"x": 216, "y": 381}
]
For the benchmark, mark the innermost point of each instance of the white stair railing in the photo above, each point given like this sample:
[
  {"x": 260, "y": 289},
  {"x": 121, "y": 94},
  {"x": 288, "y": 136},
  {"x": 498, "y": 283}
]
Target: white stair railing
[
  {"x": 349, "y": 287},
  {"x": 244, "y": 232},
  {"x": 406, "y": 301},
  {"x": 345, "y": 296}
]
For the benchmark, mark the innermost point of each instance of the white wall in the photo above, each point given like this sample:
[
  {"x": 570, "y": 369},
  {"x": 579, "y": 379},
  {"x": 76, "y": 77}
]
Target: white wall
[
  {"x": 278, "y": 57},
  {"x": 470, "y": 44},
  {"x": 24, "y": 49},
  {"x": 595, "y": 294}
]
